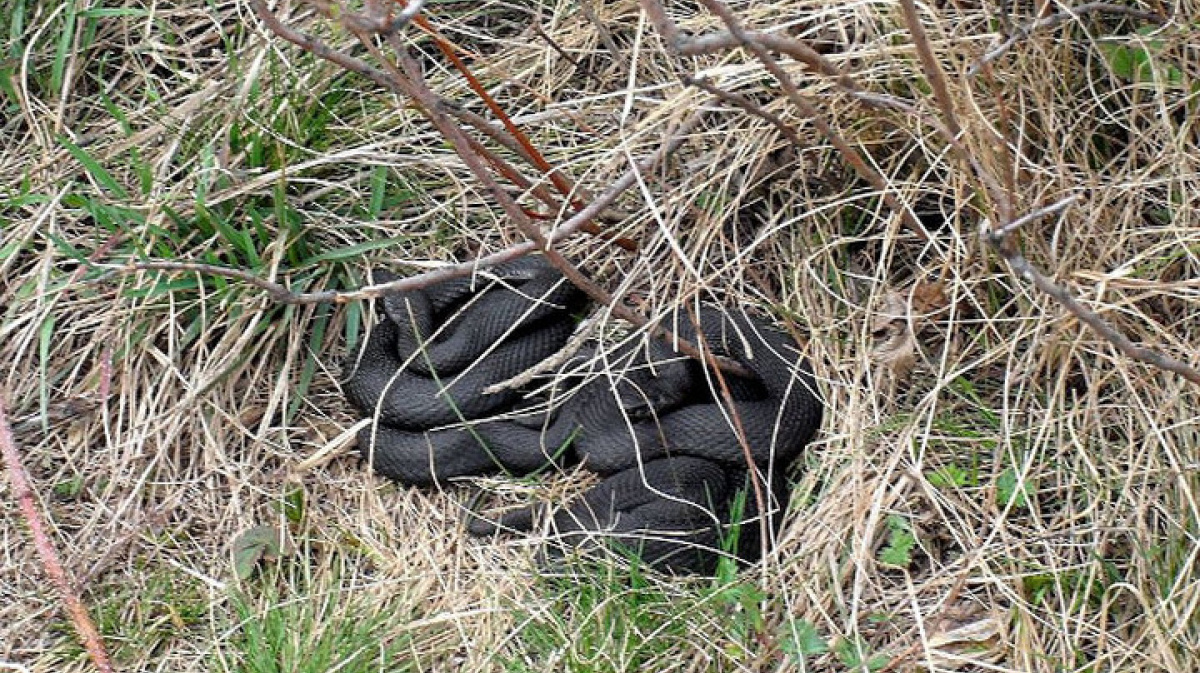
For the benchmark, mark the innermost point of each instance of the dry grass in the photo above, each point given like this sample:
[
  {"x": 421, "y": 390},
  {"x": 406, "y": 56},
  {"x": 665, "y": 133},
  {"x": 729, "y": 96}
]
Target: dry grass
[{"x": 1022, "y": 498}]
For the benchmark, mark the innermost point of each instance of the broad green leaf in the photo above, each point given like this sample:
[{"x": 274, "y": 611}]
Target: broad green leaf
[{"x": 254, "y": 545}]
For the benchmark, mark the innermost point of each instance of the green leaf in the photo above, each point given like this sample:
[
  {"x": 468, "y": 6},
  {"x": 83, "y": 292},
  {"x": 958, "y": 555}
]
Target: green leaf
[
  {"x": 898, "y": 553},
  {"x": 93, "y": 167},
  {"x": 16, "y": 29},
  {"x": 64, "y": 48},
  {"x": 255, "y": 545},
  {"x": 45, "y": 339},
  {"x": 113, "y": 12},
  {"x": 1141, "y": 62},
  {"x": 293, "y": 505},
  {"x": 949, "y": 476},
  {"x": 354, "y": 251},
  {"x": 69, "y": 489},
  {"x": 801, "y": 640},
  {"x": 320, "y": 323},
  {"x": 12, "y": 247},
  {"x": 851, "y": 654},
  {"x": 378, "y": 191},
  {"x": 1012, "y": 490}
]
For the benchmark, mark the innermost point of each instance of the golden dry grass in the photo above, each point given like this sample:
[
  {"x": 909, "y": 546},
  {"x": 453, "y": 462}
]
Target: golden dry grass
[{"x": 1049, "y": 484}]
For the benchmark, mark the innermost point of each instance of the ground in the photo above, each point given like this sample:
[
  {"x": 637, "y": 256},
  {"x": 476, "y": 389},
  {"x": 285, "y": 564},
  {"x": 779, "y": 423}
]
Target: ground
[{"x": 996, "y": 485}]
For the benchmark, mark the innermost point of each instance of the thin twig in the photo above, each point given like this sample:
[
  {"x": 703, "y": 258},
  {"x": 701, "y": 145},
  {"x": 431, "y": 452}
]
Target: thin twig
[
  {"x": 849, "y": 153},
  {"x": 280, "y": 293},
  {"x": 532, "y": 231},
  {"x": 409, "y": 13},
  {"x": 745, "y": 104},
  {"x": 1023, "y": 32},
  {"x": 405, "y": 76},
  {"x": 565, "y": 186},
  {"x": 1056, "y": 207},
  {"x": 1000, "y": 240},
  {"x": 933, "y": 71},
  {"x": 23, "y": 492},
  {"x": 319, "y": 49},
  {"x": 797, "y": 49},
  {"x": 739, "y": 431},
  {"x": 951, "y": 129}
]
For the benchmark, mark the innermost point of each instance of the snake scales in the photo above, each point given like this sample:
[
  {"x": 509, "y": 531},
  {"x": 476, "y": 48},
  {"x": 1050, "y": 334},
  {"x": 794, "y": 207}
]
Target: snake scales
[{"x": 669, "y": 451}]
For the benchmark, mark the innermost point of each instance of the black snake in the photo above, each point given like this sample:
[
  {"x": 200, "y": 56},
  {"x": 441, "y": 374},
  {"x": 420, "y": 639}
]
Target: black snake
[{"x": 674, "y": 460}]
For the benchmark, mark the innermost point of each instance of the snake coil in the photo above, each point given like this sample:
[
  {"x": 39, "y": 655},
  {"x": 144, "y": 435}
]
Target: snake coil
[{"x": 676, "y": 462}]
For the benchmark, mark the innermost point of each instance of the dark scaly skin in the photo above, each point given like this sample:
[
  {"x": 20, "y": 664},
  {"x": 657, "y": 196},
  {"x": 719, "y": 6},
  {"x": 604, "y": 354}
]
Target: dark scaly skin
[
  {"x": 480, "y": 348},
  {"x": 424, "y": 458},
  {"x": 646, "y": 454},
  {"x": 668, "y": 494},
  {"x": 672, "y": 513},
  {"x": 777, "y": 424},
  {"x": 526, "y": 292},
  {"x": 381, "y": 389}
]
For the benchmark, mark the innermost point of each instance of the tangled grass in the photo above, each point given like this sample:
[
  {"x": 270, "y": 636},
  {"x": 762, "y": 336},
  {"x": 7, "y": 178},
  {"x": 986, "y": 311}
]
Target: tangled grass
[{"x": 996, "y": 487}]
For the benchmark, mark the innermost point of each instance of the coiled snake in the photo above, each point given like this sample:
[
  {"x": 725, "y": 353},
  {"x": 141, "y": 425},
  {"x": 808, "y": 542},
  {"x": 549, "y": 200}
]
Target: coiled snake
[{"x": 674, "y": 459}]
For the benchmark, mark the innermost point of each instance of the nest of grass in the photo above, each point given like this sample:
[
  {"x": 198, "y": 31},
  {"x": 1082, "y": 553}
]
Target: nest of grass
[{"x": 996, "y": 487}]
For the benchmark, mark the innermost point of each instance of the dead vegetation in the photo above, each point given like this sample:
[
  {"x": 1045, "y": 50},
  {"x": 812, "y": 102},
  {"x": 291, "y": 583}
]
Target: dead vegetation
[{"x": 997, "y": 486}]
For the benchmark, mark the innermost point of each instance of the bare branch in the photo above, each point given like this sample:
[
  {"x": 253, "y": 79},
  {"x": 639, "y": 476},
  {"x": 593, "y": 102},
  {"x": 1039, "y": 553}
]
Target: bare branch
[
  {"x": 318, "y": 48},
  {"x": 1011, "y": 227},
  {"x": 951, "y": 131},
  {"x": 933, "y": 71},
  {"x": 533, "y": 232},
  {"x": 1000, "y": 240},
  {"x": 404, "y": 75},
  {"x": 374, "y": 19},
  {"x": 23, "y": 492},
  {"x": 280, "y": 293},
  {"x": 850, "y": 154},
  {"x": 409, "y": 13},
  {"x": 1023, "y": 32},
  {"x": 745, "y": 104}
]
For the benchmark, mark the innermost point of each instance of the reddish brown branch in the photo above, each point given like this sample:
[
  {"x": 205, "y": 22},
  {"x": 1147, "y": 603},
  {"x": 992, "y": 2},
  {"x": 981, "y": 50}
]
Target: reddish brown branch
[
  {"x": 76, "y": 610},
  {"x": 530, "y": 229},
  {"x": 516, "y": 143},
  {"x": 564, "y": 186},
  {"x": 404, "y": 75}
]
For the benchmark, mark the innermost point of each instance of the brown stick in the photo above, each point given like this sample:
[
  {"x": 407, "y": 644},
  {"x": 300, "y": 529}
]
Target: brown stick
[
  {"x": 405, "y": 76},
  {"x": 933, "y": 71},
  {"x": 76, "y": 610},
  {"x": 951, "y": 130},
  {"x": 851, "y": 155},
  {"x": 533, "y": 232},
  {"x": 1028, "y": 29},
  {"x": 319, "y": 49},
  {"x": 1000, "y": 239}
]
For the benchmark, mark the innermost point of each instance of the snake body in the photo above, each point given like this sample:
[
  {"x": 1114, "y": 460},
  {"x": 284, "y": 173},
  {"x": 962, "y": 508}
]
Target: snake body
[{"x": 658, "y": 427}]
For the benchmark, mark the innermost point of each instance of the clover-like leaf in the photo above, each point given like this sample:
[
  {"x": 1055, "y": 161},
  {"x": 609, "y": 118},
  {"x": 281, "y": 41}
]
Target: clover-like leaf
[{"x": 257, "y": 544}]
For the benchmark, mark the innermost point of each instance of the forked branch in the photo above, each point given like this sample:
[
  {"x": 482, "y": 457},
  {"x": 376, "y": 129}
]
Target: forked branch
[{"x": 1001, "y": 240}]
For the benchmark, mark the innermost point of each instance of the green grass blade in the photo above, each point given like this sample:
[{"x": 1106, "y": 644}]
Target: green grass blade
[{"x": 93, "y": 167}]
